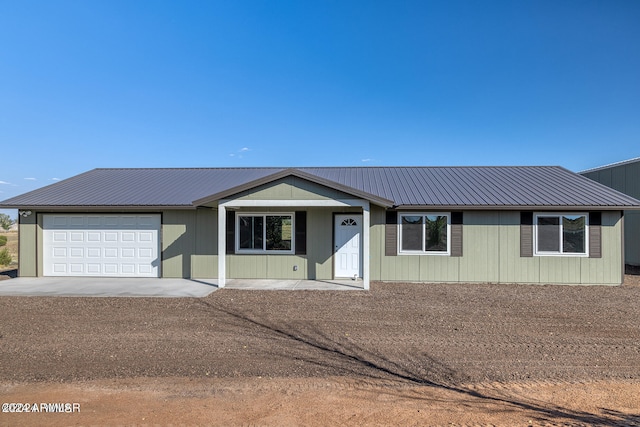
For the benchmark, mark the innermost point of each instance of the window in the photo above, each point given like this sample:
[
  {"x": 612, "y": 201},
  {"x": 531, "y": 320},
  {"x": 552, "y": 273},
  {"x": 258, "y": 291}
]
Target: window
[
  {"x": 264, "y": 233},
  {"x": 424, "y": 233},
  {"x": 561, "y": 234}
]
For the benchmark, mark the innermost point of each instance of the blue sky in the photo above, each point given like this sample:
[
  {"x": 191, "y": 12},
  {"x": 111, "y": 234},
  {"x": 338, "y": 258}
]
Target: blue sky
[{"x": 86, "y": 84}]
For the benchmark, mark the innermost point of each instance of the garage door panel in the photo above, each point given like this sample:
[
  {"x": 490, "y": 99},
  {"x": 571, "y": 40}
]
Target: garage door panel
[{"x": 101, "y": 245}]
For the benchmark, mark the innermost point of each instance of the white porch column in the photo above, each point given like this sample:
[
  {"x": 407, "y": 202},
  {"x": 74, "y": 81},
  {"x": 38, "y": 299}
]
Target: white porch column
[
  {"x": 365, "y": 242},
  {"x": 222, "y": 245}
]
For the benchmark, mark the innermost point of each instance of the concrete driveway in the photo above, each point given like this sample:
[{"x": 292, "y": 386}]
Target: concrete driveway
[{"x": 152, "y": 287}]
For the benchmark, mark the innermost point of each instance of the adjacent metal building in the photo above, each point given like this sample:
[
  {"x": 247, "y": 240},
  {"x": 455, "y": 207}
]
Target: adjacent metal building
[
  {"x": 420, "y": 224},
  {"x": 624, "y": 177}
]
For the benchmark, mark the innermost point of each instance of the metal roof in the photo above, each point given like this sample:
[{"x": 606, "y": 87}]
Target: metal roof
[
  {"x": 611, "y": 165},
  {"x": 481, "y": 187}
]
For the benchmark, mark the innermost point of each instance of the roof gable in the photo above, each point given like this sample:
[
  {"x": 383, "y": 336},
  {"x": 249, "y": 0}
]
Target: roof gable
[{"x": 276, "y": 176}]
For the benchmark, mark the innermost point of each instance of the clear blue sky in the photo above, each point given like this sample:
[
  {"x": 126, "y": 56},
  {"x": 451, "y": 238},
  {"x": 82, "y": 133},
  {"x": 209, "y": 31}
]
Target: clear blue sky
[{"x": 111, "y": 83}]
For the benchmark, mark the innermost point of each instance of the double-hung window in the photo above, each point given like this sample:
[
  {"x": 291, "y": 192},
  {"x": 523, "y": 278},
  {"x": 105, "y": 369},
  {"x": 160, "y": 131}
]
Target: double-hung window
[
  {"x": 424, "y": 233},
  {"x": 258, "y": 233},
  {"x": 561, "y": 234}
]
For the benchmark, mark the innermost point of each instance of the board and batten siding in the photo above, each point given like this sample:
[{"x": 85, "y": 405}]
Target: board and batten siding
[
  {"x": 189, "y": 244},
  {"x": 626, "y": 179},
  {"x": 491, "y": 254},
  {"x": 28, "y": 246},
  {"x": 292, "y": 188},
  {"x": 316, "y": 264}
]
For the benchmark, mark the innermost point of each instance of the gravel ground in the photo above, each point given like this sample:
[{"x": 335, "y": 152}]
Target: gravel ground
[{"x": 423, "y": 334}]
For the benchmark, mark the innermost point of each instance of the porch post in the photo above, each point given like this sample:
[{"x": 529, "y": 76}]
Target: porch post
[
  {"x": 365, "y": 242},
  {"x": 222, "y": 245}
]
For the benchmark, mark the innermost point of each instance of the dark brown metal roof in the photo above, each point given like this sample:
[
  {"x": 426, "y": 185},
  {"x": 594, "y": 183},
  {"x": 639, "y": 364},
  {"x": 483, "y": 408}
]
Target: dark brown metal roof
[{"x": 489, "y": 187}]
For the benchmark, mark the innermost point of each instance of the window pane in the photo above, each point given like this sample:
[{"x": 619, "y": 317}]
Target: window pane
[
  {"x": 436, "y": 237},
  {"x": 548, "y": 234},
  {"x": 573, "y": 234},
  {"x": 279, "y": 233},
  {"x": 251, "y": 232},
  {"x": 411, "y": 230}
]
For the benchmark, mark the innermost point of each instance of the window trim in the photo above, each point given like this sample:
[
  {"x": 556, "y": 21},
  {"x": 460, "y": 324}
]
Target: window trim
[
  {"x": 263, "y": 251},
  {"x": 423, "y": 252},
  {"x": 559, "y": 215}
]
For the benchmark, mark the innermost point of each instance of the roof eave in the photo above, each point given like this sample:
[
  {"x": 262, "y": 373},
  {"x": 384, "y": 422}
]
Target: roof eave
[
  {"x": 97, "y": 208},
  {"x": 515, "y": 208}
]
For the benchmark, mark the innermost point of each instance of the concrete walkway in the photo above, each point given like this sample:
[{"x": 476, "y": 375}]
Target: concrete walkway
[{"x": 141, "y": 287}]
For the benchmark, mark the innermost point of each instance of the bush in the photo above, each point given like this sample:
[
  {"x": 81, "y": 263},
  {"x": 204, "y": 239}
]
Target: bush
[
  {"x": 5, "y": 258},
  {"x": 3, "y": 240}
]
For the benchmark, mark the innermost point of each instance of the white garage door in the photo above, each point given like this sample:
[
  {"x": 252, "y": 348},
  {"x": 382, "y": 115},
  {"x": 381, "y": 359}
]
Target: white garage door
[{"x": 101, "y": 245}]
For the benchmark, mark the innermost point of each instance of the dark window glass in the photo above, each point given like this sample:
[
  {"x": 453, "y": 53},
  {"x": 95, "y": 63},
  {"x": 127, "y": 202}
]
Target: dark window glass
[
  {"x": 251, "y": 232},
  {"x": 436, "y": 233},
  {"x": 279, "y": 233},
  {"x": 573, "y": 234},
  {"x": 548, "y": 234},
  {"x": 411, "y": 229}
]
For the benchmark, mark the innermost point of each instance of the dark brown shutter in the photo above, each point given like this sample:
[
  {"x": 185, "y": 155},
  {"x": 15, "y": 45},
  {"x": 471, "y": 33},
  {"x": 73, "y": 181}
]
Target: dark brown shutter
[
  {"x": 595, "y": 234},
  {"x": 231, "y": 235},
  {"x": 526, "y": 234},
  {"x": 456, "y": 234},
  {"x": 301, "y": 232},
  {"x": 391, "y": 234}
]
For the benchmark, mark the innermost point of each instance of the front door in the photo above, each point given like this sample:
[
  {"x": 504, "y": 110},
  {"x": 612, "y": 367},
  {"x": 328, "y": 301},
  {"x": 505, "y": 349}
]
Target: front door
[{"x": 348, "y": 254}]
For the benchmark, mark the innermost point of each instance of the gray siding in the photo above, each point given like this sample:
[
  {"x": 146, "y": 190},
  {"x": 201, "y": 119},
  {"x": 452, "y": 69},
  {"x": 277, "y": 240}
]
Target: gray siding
[
  {"x": 492, "y": 254},
  {"x": 626, "y": 179}
]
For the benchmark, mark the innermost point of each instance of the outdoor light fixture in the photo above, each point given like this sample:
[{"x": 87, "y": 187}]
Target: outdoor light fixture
[{"x": 25, "y": 214}]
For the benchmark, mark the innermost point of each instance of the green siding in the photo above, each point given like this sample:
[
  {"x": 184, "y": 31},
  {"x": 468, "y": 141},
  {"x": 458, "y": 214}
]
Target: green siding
[
  {"x": 27, "y": 253},
  {"x": 292, "y": 188},
  {"x": 320, "y": 244},
  {"x": 189, "y": 244},
  {"x": 625, "y": 178},
  {"x": 178, "y": 243},
  {"x": 513, "y": 267},
  {"x": 204, "y": 262},
  {"x": 481, "y": 247},
  {"x": 266, "y": 267},
  {"x": 491, "y": 253},
  {"x": 316, "y": 264}
]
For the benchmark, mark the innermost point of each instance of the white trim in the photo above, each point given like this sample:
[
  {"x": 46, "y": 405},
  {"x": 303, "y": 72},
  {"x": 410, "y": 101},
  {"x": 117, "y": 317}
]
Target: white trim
[
  {"x": 265, "y": 251},
  {"x": 424, "y": 252},
  {"x": 584, "y": 254},
  {"x": 366, "y": 250},
  {"x": 222, "y": 246},
  {"x": 229, "y": 203},
  {"x": 293, "y": 203}
]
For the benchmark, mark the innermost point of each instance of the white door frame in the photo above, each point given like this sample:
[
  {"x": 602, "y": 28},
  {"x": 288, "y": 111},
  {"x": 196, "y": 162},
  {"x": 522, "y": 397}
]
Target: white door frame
[{"x": 337, "y": 219}]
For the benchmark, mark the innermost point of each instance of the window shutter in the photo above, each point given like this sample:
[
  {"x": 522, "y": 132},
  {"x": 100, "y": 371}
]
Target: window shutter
[
  {"x": 456, "y": 234},
  {"x": 391, "y": 234},
  {"x": 301, "y": 232},
  {"x": 595, "y": 234},
  {"x": 231, "y": 235},
  {"x": 526, "y": 234}
]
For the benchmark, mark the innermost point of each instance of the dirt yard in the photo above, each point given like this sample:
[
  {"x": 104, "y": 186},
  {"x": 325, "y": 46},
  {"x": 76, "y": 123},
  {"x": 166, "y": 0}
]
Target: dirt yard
[{"x": 401, "y": 354}]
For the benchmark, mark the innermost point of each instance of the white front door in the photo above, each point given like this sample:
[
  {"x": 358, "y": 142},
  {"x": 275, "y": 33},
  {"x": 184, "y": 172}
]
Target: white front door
[{"x": 348, "y": 254}]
